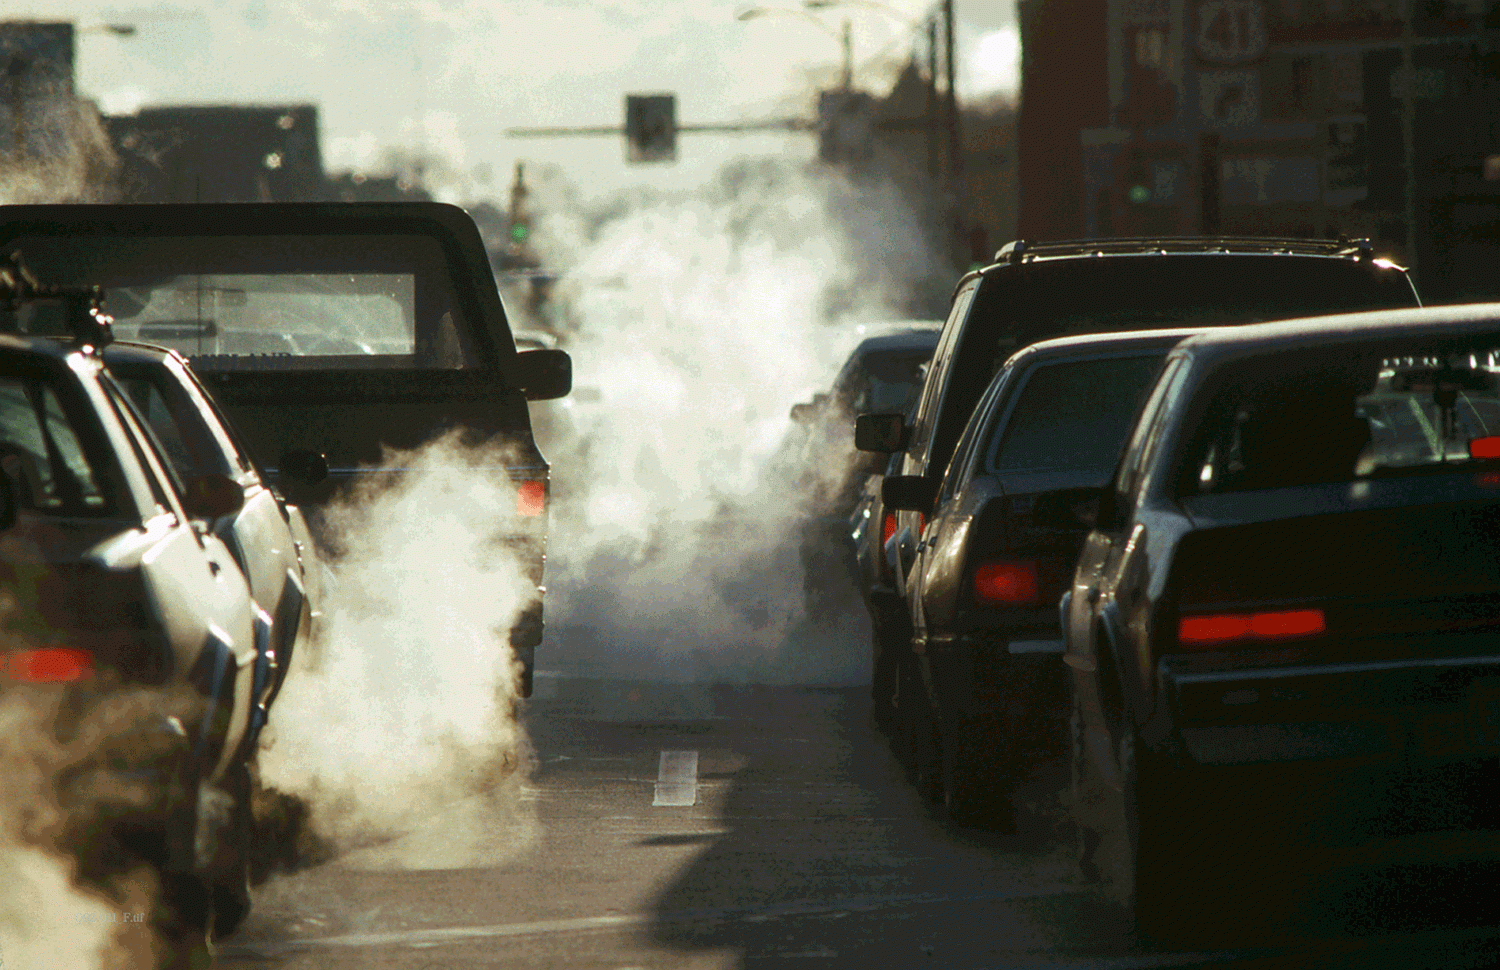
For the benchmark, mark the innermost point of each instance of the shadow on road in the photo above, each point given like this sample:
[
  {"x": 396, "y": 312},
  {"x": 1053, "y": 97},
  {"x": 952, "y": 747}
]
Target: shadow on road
[{"x": 828, "y": 855}]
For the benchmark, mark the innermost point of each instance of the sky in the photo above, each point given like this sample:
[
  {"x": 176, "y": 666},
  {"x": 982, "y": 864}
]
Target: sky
[{"x": 454, "y": 75}]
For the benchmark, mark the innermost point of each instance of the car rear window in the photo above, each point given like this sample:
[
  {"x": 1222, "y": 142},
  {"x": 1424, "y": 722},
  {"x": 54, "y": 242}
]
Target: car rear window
[
  {"x": 273, "y": 302},
  {"x": 1388, "y": 416},
  {"x": 40, "y": 453},
  {"x": 888, "y": 382},
  {"x": 1073, "y": 416}
]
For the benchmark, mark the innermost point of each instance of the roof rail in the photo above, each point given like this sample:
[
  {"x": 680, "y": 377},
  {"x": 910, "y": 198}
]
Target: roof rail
[
  {"x": 1022, "y": 249},
  {"x": 82, "y": 305}
]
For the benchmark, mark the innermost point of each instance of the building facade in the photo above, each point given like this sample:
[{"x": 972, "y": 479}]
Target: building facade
[{"x": 1269, "y": 117}]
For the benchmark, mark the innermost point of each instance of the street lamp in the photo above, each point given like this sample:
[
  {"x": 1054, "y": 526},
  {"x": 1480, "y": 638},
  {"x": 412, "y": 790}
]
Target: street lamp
[{"x": 750, "y": 13}]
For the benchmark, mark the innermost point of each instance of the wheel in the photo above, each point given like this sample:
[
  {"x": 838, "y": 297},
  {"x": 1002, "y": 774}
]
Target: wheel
[
  {"x": 1167, "y": 843},
  {"x": 884, "y": 674},
  {"x": 1085, "y": 797},
  {"x": 230, "y": 874},
  {"x": 978, "y": 783},
  {"x": 916, "y": 739}
]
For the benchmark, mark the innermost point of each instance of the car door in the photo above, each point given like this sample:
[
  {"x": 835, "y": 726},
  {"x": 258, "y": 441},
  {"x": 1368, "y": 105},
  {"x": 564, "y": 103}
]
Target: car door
[{"x": 910, "y": 525}]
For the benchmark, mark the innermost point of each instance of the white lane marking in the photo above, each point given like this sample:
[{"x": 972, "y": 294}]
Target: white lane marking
[{"x": 677, "y": 779}]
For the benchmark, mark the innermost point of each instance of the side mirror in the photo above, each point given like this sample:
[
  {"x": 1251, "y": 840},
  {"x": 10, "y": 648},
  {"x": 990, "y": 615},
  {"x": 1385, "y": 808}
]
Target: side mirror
[
  {"x": 1068, "y": 508},
  {"x": 913, "y": 493},
  {"x": 210, "y": 496},
  {"x": 803, "y": 413},
  {"x": 307, "y": 466},
  {"x": 544, "y": 374},
  {"x": 880, "y": 432}
]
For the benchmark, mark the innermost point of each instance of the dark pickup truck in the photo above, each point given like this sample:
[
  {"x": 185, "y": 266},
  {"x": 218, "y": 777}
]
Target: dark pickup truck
[{"x": 328, "y": 333}]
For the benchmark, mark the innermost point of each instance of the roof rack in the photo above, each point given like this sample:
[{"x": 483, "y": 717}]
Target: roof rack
[
  {"x": 1022, "y": 249},
  {"x": 83, "y": 306}
]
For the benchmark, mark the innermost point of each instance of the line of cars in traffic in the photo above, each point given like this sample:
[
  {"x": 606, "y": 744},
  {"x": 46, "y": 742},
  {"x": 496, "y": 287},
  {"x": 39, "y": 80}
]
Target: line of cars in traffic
[
  {"x": 160, "y": 498},
  {"x": 140, "y": 547},
  {"x": 1172, "y": 510}
]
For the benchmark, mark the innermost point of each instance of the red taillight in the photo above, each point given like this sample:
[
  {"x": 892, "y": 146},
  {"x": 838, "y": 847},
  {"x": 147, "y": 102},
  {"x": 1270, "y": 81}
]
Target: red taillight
[
  {"x": 888, "y": 528},
  {"x": 1214, "y": 629},
  {"x": 48, "y": 665},
  {"x": 1006, "y": 582},
  {"x": 531, "y": 497},
  {"x": 1485, "y": 447}
]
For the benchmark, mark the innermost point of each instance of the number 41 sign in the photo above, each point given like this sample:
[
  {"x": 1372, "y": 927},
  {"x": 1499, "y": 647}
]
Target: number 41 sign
[{"x": 1230, "y": 31}]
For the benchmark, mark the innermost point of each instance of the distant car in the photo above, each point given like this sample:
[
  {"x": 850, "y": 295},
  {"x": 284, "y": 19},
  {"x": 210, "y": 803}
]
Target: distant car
[
  {"x": 113, "y": 575},
  {"x": 884, "y": 371},
  {"x": 985, "y": 583},
  {"x": 1038, "y": 291},
  {"x": 268, "y": 537},
  {"x": 1293, "y": 564}
]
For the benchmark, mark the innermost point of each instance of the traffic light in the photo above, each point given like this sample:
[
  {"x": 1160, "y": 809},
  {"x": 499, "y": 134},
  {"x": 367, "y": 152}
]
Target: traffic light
[{"x": 651, "y": 128}]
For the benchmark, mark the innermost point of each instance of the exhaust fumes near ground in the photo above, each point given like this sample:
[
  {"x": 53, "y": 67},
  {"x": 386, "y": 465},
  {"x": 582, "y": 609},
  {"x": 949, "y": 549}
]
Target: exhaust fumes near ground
[
  {"x": 699, "y": 319},
  {"x": 397, "y": 729},
  {"x": 73, "y": 892}
]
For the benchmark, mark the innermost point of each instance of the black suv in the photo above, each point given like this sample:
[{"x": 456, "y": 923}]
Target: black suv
[{"x": 1036, "y": 291}]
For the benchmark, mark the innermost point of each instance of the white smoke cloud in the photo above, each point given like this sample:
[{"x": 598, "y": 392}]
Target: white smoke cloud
[
  {"x": 405, "y": 708},
  {"x": 700, "y": 319}
]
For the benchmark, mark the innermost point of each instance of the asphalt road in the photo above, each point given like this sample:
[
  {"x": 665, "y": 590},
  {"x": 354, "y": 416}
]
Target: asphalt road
[{"x": 718, "y": 827}]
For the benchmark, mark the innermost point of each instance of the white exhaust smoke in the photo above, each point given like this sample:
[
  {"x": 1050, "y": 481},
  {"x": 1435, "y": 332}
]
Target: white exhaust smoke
[
  {"x": 700, "y": 319},
  {"x": 402, "y": 720}
]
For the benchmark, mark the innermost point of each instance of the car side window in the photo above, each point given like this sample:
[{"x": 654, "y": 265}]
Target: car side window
[
  {"x": 1146, "y": 437},
  {"x": 937, "y": 372},
  {"x": 156, "y": 468},
  {"x": 41, "y": 454},
  {"x": 959, "y": 469}
]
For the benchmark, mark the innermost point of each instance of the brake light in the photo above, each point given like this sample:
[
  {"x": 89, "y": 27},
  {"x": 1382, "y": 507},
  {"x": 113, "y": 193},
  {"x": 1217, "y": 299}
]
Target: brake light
[
  {"x": 531, "y": 497},
  {"x": 48, "y": 665},
  {"x": 1485, "y": 447},
  {"x": 887, "y": 528},
  {"x": 1214, "y": 629},
  {"x": 1006, "y": 582}
]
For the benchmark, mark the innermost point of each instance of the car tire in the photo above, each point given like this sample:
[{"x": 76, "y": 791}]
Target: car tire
[
  {"x": 1166, "y": 842},
  {"x": 884, "y": 675},
  {"x": 231, "y": 876},
  {"x": 978, "y": 788},
  {"x": 917, "y": 740},
  {"x": 1085, "y": 798}
]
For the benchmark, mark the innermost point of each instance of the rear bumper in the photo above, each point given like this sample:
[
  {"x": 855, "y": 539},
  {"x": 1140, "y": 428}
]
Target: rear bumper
[
  {"x": 988, "y": 671},
  {"x": 1419, "y": 711}
]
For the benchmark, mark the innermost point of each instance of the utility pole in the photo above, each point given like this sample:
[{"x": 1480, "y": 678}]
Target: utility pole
[
  {"x": 1408, "y": 132},
  {"x": 932, "y": 97},
  {"x": 955, "y": 134}
]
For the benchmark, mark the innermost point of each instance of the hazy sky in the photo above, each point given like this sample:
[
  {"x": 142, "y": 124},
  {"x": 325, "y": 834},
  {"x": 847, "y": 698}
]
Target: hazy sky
[{"x": 454, "y": 74}]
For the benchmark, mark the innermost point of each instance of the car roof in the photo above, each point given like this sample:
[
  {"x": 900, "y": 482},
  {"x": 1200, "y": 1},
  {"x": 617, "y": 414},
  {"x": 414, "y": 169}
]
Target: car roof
[
  {"x": 1072, "y": 345},
  {"x": 1255, "y": 339},
  {"x": 50, "y": 348},
  {"x": 912, "y": 340}
]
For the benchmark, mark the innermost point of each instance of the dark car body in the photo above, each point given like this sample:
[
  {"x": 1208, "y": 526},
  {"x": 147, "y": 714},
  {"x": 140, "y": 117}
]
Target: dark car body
[
  {"x": 328, "y": 334},
  {"x": 1049, "y": 290},
  {"x": 883, "y": 372},
  {"x": 266, "y": 535},
  {"x": 1294, "y": 564},
  {"x": 111, "y": 580},
  {"x": 984, "y": 587}
]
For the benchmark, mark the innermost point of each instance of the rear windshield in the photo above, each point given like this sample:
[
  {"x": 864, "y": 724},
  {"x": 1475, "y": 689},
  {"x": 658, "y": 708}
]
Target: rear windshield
[
  {"x": 1391, "y": 416},
  {"x": 887, "y": 382},
  {"x": 1073, "y": 416},
  {"x": 272, "y": 302},
  {"x": 41, "y": 456}
]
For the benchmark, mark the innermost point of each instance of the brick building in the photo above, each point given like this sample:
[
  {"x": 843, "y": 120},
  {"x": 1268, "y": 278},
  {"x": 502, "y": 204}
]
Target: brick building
[{"x": 1274, "y": 117}]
